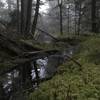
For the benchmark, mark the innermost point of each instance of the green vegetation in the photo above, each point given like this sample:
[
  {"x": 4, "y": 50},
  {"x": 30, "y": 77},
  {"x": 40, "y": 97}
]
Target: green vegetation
[
  {"x": 48, "y": 46},
  {"x": 72, "y": 82}
]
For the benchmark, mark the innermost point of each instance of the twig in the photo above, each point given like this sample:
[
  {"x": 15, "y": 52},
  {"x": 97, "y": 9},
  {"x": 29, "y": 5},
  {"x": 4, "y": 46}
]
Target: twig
[{"x": 73, "y": 60}]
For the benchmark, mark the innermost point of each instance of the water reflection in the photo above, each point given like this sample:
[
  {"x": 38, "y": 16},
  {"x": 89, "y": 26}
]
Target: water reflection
[
  {"x": 41, "y": 65},
  {"x": 46, "y": 68}
]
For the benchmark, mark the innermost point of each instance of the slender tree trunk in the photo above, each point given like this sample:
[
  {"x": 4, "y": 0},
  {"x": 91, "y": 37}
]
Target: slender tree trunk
[
  {"x": 68, "y": 21},
  {"x": 75, "y": 16},
  {"x": 24, "y": 6},
  {"x": 2, "y": 93},
  {"x": 22, "y": 16},
  {"x": 29, "y": 13},
  {"x": 35, "y": 17},
  {"x": 93, "y": 16},
  {"x": 61, "y": 18},
  {"x": 36, "y": 73},
  {"x": 26, "y": 77},
  {"x": 79, "y": 19},
  {"x": 18, "y": 17}
]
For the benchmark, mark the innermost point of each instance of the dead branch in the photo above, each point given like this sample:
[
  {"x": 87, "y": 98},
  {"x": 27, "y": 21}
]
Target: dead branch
[
  {"x": 44, "y": 32},
  {"x": 73, "y": 60}
]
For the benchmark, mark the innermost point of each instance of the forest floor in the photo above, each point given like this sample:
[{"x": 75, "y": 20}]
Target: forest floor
[{"x": 72, "y": 82}]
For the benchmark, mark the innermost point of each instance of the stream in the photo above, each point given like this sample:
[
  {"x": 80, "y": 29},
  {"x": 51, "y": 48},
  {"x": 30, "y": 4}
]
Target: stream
[{"x": 47, "y": 67}]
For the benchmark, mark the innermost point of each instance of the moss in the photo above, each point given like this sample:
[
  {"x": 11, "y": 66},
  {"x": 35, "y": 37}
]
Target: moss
[
  {"x": 53, "y": 45},
  {"x": 76, "y": 85},
  {"x": 70, "y": 83}
]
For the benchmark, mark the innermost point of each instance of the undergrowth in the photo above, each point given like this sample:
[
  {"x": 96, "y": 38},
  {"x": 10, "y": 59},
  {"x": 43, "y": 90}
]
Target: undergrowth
[{"x": 71, "y": 83}]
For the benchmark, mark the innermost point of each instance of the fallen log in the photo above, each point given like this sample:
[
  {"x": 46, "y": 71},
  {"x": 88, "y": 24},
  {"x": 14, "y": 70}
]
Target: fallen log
[
  {"x": 14, "y": 47},
  {"x": 72, "y": 59},
  {"x": 21, "y": 60},
  {"x": 9, "y": 46}
]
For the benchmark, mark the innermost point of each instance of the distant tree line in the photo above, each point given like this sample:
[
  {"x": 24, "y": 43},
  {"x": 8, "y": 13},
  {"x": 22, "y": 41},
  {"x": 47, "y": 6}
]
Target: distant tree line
[{"x": 68, "y": 16}]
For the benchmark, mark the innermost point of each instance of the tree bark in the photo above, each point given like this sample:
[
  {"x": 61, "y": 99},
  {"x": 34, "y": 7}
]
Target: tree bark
[
  {"x": 75, "y": 16},
  {"x": 29, "y": 13},
  {"x": 93, "y": 16},
  {"x": 68, "y": 21},
  {"x": 22, "y": 16},
  {"x": 79, "y": 19},
  {"x": 24, "y": 6},
  {"x": 36, "y": 73},
  {"x": 35, "y": 17},
  {"x": 18, "y": 17},
  {"x": 61, "y": 19},
  {"x": 2, "y": 93}
]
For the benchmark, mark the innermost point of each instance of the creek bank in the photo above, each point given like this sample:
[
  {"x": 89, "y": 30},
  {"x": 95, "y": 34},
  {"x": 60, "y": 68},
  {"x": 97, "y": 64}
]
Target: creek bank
[{"x": 54, "y": 60}]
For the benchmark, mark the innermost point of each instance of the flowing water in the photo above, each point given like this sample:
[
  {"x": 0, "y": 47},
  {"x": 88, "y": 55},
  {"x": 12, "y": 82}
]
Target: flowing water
[{"x": 47, "y": 67}]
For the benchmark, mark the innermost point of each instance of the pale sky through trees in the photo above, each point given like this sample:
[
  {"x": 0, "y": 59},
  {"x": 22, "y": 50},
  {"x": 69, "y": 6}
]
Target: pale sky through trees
[{"x": 43, "y": 8}]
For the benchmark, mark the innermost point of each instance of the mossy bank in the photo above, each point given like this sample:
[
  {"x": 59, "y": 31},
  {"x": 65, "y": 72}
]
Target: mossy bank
[{"x": 72, "y": 82}]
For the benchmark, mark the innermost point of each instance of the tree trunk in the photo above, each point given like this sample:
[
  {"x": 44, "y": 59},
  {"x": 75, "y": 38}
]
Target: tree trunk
[
  {"x": 35, "y": 17},
  {"x": 93, "y": 16},
  {"x": 29, "y": 13},
  {"x": 36, "y": 73},
  {"x": 23, "y": 15},
  {"x": 26, "y": 75},
  {"x": 75, "y": 16},
  {"x": 61, "y": 19},
  {"x": 18, "y": 17},
  {"x": 2, "y": 93},
  {"x": 61, "y": 22},
  {"x": 68, "y": 21},
  {"x": 79, "y": 19}
]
